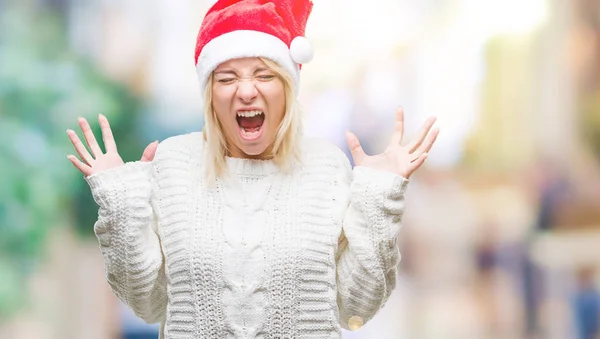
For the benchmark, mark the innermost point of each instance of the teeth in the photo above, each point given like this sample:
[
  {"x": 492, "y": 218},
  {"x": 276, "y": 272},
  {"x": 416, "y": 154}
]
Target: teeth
[
  {"x": 248, "y": 114},
  {"x": 250, "y": 134}
]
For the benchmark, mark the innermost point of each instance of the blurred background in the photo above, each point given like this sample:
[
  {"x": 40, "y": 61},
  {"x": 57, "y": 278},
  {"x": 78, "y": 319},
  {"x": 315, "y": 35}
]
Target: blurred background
[{"x": 501, "y": 236}]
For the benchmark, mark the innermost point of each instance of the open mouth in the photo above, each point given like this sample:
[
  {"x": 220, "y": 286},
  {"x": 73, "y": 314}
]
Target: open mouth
[{"x": 250, "y": 123}]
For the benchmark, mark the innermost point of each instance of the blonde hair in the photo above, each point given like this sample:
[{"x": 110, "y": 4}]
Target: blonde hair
[{"x": 285, "y": 148}]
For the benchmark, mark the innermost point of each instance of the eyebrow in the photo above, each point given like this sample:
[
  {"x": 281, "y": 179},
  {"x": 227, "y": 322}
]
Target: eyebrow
[
  {"x": 261, "y": 69},
  {"x": 226, "y": 71},
  {"x": 229, "y": 71}
]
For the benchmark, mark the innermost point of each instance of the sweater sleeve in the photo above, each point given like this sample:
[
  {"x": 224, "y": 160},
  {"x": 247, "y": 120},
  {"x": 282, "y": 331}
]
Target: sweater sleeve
[
  {"x": 127, "y": 232},
  {"x": 368, "y": 256}
]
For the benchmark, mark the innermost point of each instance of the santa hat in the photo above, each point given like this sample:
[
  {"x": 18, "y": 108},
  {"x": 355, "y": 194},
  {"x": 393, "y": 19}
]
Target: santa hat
[{"x": 273, "y": 29}]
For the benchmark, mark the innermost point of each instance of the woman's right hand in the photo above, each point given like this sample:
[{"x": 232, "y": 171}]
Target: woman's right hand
[{"x": 100, "y": 161}]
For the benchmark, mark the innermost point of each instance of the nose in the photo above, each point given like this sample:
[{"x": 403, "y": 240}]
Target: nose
[{"x": 247, "y": 91}]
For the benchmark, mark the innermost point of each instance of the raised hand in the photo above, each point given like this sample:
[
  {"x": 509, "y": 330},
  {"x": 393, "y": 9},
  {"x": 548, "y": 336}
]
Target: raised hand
[
  {"x": 402, "y": 160},
  {"x": 99, "y": 161}
]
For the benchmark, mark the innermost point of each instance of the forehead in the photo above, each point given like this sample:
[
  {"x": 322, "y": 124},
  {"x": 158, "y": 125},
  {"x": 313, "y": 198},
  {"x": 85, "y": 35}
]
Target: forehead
[{"x": 242, "y": 64}]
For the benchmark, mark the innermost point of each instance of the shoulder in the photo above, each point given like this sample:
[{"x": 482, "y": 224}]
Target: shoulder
[
  {"x": 176, "y": 157},
  {"x": 323, "y": 152},
  {"x": 179, "y": 152},
  {"x": 183, "y": 144}
]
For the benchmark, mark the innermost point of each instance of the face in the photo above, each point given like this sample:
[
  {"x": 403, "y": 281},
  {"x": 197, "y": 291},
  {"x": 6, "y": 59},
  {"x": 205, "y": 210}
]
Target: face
[{"x": 249, "y": 101}]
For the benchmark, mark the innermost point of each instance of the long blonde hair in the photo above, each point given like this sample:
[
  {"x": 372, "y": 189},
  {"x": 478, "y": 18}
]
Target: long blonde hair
[{"x": 285, "y": 148}]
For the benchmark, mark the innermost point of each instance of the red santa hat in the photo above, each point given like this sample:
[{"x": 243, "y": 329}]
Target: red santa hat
[{"x": 273, "y": 29}]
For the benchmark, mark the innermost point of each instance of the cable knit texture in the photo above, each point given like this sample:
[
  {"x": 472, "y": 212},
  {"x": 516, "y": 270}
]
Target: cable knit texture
[{"x": 259, "y": 253}]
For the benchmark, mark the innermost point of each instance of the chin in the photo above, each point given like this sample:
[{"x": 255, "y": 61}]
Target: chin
[{"x": 255, "y": 150}]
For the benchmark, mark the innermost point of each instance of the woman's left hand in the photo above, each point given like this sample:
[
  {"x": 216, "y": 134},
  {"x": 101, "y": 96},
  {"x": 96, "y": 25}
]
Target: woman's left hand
[{"x": 398, "y": 159}]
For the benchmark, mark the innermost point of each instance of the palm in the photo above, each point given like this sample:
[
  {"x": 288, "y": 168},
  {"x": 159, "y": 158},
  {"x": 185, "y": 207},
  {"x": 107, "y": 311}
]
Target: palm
[
  {"x": 398, "y": 159},
  {"x": 100, "y": 161},
  {"x": 106, "y": 162}
]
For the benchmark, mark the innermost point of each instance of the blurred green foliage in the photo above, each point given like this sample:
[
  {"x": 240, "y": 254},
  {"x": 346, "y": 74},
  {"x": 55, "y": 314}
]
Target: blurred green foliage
[
  {"x": 44, "y": 87},
  {"x": 590, "y": 121}
]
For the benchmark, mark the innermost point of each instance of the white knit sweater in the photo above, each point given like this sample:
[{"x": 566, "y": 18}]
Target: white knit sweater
[{"x": 261, "y": 254}]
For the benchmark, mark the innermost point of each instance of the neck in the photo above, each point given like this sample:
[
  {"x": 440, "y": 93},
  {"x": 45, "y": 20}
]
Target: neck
[{"x": 238, "y": 153}]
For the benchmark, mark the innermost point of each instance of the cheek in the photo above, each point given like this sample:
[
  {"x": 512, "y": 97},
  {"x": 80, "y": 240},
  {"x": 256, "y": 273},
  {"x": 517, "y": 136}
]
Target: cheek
[
  {"x": 221, "y": 103},
  {"x": 276, "y": 101},
  {"x": 218, "y": 99}
]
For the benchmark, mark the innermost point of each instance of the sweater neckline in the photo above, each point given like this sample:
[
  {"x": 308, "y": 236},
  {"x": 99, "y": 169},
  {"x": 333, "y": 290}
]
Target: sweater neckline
[
  {"x": 251, "y": 167},
  {"x": 250, "y": 199}
]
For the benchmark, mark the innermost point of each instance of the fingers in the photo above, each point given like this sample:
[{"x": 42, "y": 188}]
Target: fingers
[
  {"x": 89, "y": 137},
  {"x": 421, "y": 135},
  {"x": 149, "y": 152},
  {"x": 79, "y": 147},
  {"x": 83, "y": 168},
  {"x": 426, "y": 146},
  {"x": 355, "y": 149},
  {"x": 107, "y": 136},
  {"x": 398, "y": 127},
  {"x": 413, "y": 166}
]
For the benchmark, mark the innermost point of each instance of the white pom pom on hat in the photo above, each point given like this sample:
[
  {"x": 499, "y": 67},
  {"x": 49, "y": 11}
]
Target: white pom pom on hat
[{"x": 301, "y": 50}]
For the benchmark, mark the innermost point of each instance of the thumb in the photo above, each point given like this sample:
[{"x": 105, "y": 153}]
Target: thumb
[
  {"x": 355, "y": 149},
  {"x": 149, "y": 152}
]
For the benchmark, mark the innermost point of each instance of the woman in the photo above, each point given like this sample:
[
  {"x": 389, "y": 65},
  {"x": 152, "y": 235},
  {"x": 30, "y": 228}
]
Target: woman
[{"x": 248, "y": 230}]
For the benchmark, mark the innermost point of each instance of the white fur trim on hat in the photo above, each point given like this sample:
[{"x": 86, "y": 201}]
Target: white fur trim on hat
[{"x": 241, "y": 44}]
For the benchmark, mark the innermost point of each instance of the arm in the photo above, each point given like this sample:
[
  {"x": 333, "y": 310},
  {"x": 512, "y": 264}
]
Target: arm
[
  {"x": 126, "y": 231},
  {"x": 366, "y": 270},
  {"x": 368, "y": 256}
]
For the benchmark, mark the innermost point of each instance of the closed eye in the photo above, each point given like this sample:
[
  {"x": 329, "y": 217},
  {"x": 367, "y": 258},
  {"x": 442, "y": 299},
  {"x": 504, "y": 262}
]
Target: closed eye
[
  {"x": 226, "y": 80},
  {"x": 266, "y": 77}
]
